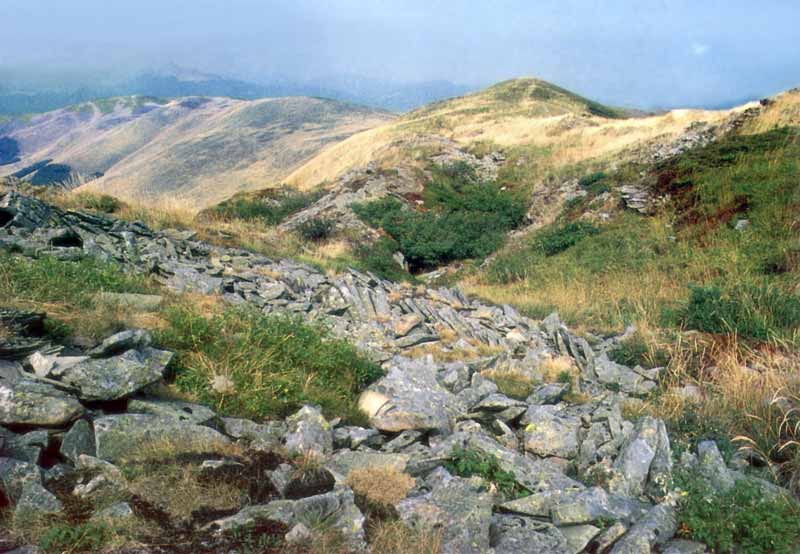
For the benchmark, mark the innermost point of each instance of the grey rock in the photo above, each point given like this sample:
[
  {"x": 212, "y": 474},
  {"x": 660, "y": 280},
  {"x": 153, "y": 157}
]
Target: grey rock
[
  {"x": 118, "y": 376},
  {"x": 37, "y": 404},
  {"x": 353, "y": 437},
  {"x": 27, "y": 447},
  {"x": 16, "y": 475},
  {"x": 120, "y": 342},
  {"x": 78, "y": 440},
  {"x": 522, "y": 535},
  {"x": 579, "y": 536},
  {"x": 260, "y": 436},
  {"x": 343, "y": 462},
  {"x": 461, "y": 508},
  {"x": 416, "y": 400},
  {"x": 308, "y": 432},
  {"x": 551, "y": 393},
  {"x": 337, "y": 508},
  {"x": 36, "y": 500},
  {"x": 711, "y": 467},
  {"x": 177, "y": 409},
  {"x": 127, "y": 435},
  {"x": 116, "y": 514},
  {"x": 548, "y": 433},
  {"x": 656, "y": 527},
  {"x": 648, "y": 443}
]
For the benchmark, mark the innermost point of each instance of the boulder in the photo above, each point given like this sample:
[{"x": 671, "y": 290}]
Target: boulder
[
  {"x": 711, "y": 467},
  {"x": 460, "y": 508},
  {"x": 37, "y": 404},
  {"x": 130, "y": 435},
  {"x": 656, "y": 527},
  {"x": 78, "y": 440},
  {"x": 308, "y": 432},
  {"x": 177, "y": 409},
  {"x": 549, "y": 433},
  {"x": 119, "y": 376},
  {"x": 523, "y": 535}
]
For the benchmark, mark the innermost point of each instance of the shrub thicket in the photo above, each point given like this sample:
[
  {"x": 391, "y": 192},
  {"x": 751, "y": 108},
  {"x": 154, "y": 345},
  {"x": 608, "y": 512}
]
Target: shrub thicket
[{"x": 461, "y": 219}]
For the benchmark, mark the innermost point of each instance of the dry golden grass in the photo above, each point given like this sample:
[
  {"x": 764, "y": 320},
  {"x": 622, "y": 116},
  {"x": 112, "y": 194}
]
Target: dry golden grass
[
  {"x": 512, "y": 384},
  {"x": 385, "y": 486},
  {"x": 180, "y": 490},
  {"x": 165, "y": 449},
  {"x": 394, "y": 537}
]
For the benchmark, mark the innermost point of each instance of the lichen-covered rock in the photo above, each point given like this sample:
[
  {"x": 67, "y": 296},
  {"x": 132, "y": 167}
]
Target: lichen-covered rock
[
  {"x": 343, "y": 462},
  {"x": 336, "y": 508},
  {"x": 128, "y": 435},
  {"x": 712, "y": 468},
  {"x": 656, "y": 527},
  {"x": 548, "y": 433},
  {"x": 78, "y": 440},
  {"x": 35, "y": 501},
  {"x": 647, "y": 444},
  {"x": 461, "y": 508},
  {"x": 118, "y": 376},
  {"x": 15, "y": 475},
  {"x": 121, "y": 342},
  {"x": 27, "y": 447},
  {"x": 523, "y": 535},
  {"x": 184, "y": 411},
  {"x": 37, "y": 404},
  {"x": 308, "y": 432}
]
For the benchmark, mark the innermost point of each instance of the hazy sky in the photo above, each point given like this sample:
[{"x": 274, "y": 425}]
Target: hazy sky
[{"x": 630, "y": 52}]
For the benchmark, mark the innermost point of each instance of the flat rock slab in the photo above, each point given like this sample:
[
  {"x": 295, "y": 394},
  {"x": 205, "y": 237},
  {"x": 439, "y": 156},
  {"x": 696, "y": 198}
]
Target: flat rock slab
[
  {"x": 119, "y": 376},
  {"x": 131, "y": 435},
  {"x": 39, "y": 404}
]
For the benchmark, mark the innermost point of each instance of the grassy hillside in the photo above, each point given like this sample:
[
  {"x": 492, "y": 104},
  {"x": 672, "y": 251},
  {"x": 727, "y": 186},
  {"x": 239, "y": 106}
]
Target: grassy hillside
[
  {"x": 541, "y": 126},
  {"x": 200, "y": 150}
]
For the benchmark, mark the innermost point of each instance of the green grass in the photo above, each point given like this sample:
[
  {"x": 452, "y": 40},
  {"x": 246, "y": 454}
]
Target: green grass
[
  {"x": 468, "y": 463},
  {"x": 66, "y": 290},
  {"x": 69, "y": 539},
  {"x": 461, "y": 219},
  {"x": 743, "y": 520},
  {"x": 275, "y": 363},
  {"x": 271, "y": 209}
]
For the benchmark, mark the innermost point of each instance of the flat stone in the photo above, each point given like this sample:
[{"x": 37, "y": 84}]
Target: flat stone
[
  {"x": 548, "y": 433},
  {"x": 579, "y": 536},
  {"x": 120, "y": 342},
  {"x": 177, "y": 409},
  {"x": 126, "y": 435},
  {"x": 343, "y": 462},
  {"x": 522, "y": 535},
  {"x": 403, "y": 325},
  {"x": 37, "y": 501},
  {"x": 119, "y": 376},
  {"x": 37, "y": 404}
]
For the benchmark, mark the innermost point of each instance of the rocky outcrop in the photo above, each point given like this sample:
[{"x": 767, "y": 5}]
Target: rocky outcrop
[{"x": 592, "y": 481}]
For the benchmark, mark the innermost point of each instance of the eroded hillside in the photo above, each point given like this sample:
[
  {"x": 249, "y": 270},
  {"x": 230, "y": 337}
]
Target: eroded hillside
[{"x": 190, "y": 151}]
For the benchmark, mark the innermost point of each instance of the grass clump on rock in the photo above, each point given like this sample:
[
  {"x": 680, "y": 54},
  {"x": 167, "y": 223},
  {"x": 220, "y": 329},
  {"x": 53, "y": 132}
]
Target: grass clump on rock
[{"x": 247, "y": 364}]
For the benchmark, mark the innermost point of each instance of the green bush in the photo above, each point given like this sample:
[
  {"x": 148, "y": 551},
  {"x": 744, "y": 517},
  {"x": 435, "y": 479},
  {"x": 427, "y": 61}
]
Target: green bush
[
  {"x": 270, "y": 209},
  {"x": 316, "y": 229},
  {"x": 595, "y": 183},
  {"x": 378, "y": 258},
  {"x": 100, "y": 202},
  {"x": 461, "y": 220},
  {"x": 467, "y": 463},
  {"x": 752, "y": 312},
  {"x": 551, "y": 241},
  {"x": 742, "y": 520},
  {"x": 635, "y": 351},
  {"x": 272, "y": 364},
  {"x": 63, "y": 538}
]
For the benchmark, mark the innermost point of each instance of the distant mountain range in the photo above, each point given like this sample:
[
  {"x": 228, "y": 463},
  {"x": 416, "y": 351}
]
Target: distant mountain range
[{"x": 175, "y": 82}]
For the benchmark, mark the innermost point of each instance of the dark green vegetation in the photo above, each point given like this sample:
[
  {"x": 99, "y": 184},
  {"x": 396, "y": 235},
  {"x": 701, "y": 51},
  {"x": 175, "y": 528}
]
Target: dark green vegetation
[
  {"x": 461, "y": 219},
  {"x": 64, "y": 538},
  {"x": 9, "y": 151},
  {"x": 742, "y": 520},
  {"x": 466, "y": 463},
  {"x": 251, "y": 365},
  {"x": 44, "y": 173},
  {"x": 378, "y": 258},
  {"x": 316, "y": 229},
  {"x": 270, "y": 207},
  {"x": 637, "y": 351}
]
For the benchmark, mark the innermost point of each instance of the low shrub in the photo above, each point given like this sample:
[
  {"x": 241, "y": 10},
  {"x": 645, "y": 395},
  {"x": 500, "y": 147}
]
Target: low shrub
[
  {"x": 68, "y": 539},
  {"x": 378, "y": 258},
  {"x": 551, "y": 241},
  {"x": 462, "y": 219},
  {"x": 316, "y": 229},
  {"x": 636, "y": 351},
  {"x": 271, "y": 209},
  {"x": 252, "y": 365},
  {"x": 752, "y": 312},
  {"x": 467, "y": 463},
  {"x": 742, "y": 520}
]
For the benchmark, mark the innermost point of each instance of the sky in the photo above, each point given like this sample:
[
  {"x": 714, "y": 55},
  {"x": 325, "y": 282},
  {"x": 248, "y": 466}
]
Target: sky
[{"x": 636, "y": 53}]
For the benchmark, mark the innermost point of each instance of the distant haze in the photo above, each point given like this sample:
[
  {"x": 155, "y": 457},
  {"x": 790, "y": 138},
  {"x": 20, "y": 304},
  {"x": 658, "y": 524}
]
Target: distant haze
[{"x": 649, "y": 54}]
